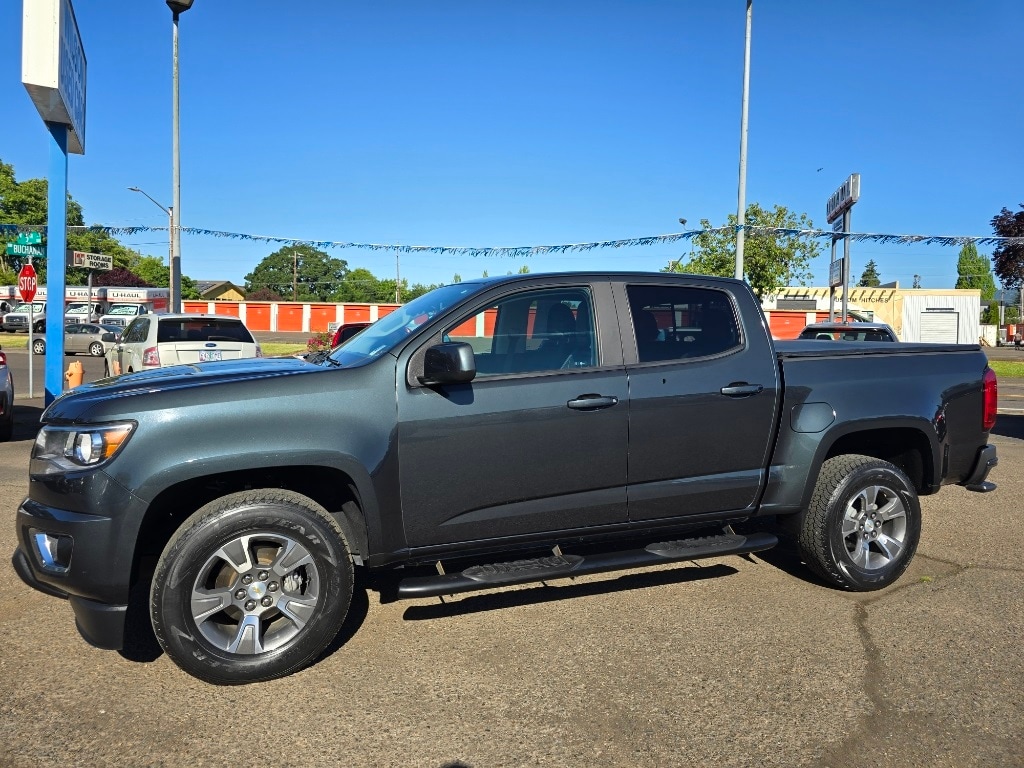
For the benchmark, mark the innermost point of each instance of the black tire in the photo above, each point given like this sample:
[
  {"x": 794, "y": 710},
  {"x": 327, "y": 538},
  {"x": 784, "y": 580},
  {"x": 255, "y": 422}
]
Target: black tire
[
  {"x": 283, "y": 545},
  {"x": 38, "y": 346},
  {"x": 863, "y": 525},
  {"x": 96, "y": 349}
]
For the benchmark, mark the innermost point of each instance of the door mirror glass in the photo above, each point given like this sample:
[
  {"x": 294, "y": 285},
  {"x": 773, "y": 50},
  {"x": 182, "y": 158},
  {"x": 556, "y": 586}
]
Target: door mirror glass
[{"x": 448, "y": 363}]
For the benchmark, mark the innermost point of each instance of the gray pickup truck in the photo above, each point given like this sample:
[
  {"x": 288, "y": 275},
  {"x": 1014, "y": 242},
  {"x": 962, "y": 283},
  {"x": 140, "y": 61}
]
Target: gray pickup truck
[{"x": 491, "y": 432}]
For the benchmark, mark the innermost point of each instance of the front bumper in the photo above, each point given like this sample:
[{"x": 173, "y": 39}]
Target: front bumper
[
  {"x": 81, "y": 557},
  {"x": 99, "y": 624},
  {"x": 983, "y": 464}
]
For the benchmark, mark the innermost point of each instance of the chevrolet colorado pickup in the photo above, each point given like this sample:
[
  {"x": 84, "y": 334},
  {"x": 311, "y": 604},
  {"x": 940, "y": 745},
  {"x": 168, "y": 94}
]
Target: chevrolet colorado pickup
[{"x": 489, "y": 433}]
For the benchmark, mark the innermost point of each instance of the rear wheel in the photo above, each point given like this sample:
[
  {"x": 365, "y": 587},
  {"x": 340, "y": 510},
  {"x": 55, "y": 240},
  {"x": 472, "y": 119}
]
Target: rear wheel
[
  {"x": 252, "y": 587},
  {"x": 38, "y": 346},
  {"x": 863, "y": 524},
  {"x": 96, "y": 349}
]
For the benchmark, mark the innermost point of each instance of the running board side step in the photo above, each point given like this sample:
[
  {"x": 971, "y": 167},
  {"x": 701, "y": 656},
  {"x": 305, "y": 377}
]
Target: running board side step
[{"x": 559, "y": 566}]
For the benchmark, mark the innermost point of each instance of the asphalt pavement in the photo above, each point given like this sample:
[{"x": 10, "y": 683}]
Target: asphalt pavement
[{"x": 736, "y": 661}]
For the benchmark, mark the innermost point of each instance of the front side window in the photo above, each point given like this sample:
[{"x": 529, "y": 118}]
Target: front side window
[
  {"x": 534, "y": 331},
  {"x": 680, "y": 322}
]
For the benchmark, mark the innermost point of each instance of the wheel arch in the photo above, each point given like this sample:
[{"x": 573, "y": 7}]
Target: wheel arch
[
  {"x": 333, "y": 489},
  {"x": 904, "y": 443}
]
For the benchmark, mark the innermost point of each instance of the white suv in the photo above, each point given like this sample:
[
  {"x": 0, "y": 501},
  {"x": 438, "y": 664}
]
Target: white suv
[{"x": 157, "y": 341}]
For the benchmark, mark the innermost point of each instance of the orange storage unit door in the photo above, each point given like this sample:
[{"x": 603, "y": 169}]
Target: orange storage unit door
[
  {"x": 322, "y": 315},
  {"x": 289, "y": 318},
  {"x": 257, "y": 316}
]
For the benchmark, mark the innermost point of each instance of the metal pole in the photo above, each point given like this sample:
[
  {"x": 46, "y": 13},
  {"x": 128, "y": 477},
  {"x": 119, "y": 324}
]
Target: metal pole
[
  {"x": 742, "y": 203},
  {"x": 176, "y": 184},
  {"x": 847, "y": 219},
  {"x": 398, "y": 280}
]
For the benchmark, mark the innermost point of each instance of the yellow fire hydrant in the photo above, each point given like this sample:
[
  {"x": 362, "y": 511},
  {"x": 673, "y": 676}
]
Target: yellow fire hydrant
[{"x": 75, "y": 374}]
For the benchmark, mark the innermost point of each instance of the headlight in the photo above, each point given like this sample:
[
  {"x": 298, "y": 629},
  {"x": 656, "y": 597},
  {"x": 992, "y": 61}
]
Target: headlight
[{"x": 72, "y": 447}]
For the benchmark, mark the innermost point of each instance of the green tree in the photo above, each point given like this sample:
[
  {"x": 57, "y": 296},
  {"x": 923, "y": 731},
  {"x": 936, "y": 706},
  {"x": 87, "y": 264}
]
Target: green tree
[
  {"x": 299, "y": 272},
  {"x": 975, "y": 271},
  {"x": 25, "y": 203},
  {"x": 361, "y": 286},
  {"x": 1009, "y": 258},
  {"x": 770, "y": 260},
  {"x": 869, "y": 277}
]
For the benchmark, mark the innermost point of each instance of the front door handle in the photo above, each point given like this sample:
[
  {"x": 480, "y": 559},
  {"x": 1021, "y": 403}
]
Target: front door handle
[
  {"x": 592, "y": 402},
  {"x": 742, "y": 390}
]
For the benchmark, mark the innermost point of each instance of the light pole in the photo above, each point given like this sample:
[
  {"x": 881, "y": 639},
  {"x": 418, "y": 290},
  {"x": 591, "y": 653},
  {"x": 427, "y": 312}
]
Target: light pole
[
  {"x": 742, "y": 192},
  {"x": 170, "y": 221},
  {"x": 177, "y": 7}
]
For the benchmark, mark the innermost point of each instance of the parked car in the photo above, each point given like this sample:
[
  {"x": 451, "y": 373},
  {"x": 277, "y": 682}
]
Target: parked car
[
  {"x": 83, "y": 339},
  {"x": 157, "y": 341},
  {"x": 488, "y": 433},
  {"x": 856, "y": 331},
  {"x": 346, "y": 332},
  {"x": 6, "y": 399}
]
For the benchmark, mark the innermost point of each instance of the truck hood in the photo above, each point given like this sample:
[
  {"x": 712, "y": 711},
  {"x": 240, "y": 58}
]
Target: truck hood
[{"x": 74, "y": 404}]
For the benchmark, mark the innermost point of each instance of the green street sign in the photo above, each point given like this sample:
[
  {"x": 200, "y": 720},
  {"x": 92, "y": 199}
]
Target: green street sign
[
  {"x": 29, "y": 238},
  {"x": 32, "y": 251}
]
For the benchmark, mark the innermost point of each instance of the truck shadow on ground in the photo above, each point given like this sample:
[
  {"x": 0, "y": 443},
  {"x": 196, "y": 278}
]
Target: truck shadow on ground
[
  {"x": 26, "y": 421},
  {"x": 549, "y": 592},
  {"x": 1008, "y": 425}
]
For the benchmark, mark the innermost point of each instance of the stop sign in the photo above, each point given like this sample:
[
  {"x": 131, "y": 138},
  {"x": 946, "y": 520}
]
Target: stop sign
[{"x": 27, "y": 283}]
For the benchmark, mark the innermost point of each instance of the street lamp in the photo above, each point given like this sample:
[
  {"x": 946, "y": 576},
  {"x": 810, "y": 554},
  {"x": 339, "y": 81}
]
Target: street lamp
[
  {"x": 177, "y": 7},
  {"x": 170, "y": 228}
]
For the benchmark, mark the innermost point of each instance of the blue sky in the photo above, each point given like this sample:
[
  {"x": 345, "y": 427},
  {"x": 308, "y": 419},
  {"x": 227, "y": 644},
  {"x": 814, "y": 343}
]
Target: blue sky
[{"x": 536, "y": 122}]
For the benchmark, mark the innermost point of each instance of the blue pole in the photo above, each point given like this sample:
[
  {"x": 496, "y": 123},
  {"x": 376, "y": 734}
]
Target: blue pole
[{"x": 56, "y": 245}]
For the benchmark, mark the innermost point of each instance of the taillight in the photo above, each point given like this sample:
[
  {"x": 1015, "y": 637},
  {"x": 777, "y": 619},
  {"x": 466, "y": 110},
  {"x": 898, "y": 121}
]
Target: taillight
[
  {"x": 151, "y": 357},
  {"x": 991, "y": 400},
  {"x": 3, "y": 358}
]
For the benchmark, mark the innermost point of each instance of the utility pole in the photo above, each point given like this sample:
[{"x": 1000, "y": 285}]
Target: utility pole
[{"x": 742, "y": 203}]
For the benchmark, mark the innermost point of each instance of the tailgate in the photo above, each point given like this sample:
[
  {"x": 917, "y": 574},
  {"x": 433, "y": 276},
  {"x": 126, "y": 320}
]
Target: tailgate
[{"x": 173, "y": 353}]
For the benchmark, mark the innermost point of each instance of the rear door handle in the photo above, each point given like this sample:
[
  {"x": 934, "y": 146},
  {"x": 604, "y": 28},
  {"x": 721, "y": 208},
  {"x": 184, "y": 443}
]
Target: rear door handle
[
  {"x": 592, "y": 402},
  {"x": 742, "y": 390}
]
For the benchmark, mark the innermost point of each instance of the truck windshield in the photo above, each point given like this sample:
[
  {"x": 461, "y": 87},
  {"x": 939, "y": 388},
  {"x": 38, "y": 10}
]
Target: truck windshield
[{"x": 390, "y": 330}]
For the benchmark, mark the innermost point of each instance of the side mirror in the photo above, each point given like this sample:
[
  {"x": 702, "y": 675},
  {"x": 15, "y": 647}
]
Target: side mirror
[
  {"x": 448, "y": 363},
  {"x": 108, "y": 336}
]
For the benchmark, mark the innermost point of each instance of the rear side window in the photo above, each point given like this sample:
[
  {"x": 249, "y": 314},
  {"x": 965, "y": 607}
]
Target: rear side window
[
  {"x": 203, "y": 330},
  {"x": 679, "y": 322}
]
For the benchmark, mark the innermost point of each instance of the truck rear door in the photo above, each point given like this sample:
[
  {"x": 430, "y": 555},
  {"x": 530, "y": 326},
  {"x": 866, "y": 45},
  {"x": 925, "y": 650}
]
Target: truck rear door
[{"x": 703, "y": 393}]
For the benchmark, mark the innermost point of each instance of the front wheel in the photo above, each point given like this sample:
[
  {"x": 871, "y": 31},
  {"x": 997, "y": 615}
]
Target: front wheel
[
  {"x": 96, "y": 349},
  {"x": 252, "y": 587},
  {"x": 38, "y": 347},
  {"x": 863, "y": 524}
]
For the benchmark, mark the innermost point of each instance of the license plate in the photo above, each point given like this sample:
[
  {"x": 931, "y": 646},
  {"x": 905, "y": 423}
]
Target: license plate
[{"x": 209, "y": 355}]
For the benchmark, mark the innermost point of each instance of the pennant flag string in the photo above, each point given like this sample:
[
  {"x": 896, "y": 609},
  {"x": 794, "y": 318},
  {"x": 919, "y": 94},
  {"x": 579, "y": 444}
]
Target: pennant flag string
[{"x": 539, "y": 250}]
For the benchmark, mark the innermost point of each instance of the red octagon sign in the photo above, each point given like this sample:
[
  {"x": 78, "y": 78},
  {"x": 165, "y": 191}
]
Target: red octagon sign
[{"x": 27, "y": 283}]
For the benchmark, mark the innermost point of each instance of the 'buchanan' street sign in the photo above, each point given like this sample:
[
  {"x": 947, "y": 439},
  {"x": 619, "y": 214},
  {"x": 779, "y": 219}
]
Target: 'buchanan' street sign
[{"x": 32, "y": 251}]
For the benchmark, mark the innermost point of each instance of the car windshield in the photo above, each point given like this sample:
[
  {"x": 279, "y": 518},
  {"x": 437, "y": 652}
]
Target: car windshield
[
  {"x": 124, "y": 309},
  {"x": 386, "y": 333}
]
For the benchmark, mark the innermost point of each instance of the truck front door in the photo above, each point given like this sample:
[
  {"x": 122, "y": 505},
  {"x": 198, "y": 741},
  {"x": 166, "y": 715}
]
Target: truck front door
[{"x": 537, "y": 442}]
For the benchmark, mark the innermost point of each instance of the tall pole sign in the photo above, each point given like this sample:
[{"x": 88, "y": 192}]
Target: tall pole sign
[
  {"x": 838, "y": 210},
  {"x": 53, "y": 70}
]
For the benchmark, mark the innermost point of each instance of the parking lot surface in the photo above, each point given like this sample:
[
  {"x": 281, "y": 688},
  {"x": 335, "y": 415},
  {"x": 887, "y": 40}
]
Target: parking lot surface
[{"x": 731, "y": 661}]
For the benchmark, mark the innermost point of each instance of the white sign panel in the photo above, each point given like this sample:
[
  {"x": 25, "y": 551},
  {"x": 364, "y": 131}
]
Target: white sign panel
[
  {"x": 53, "y": 66},
  {"x": 844, "y": 197},
  {"x": 85, "y": 260}
]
